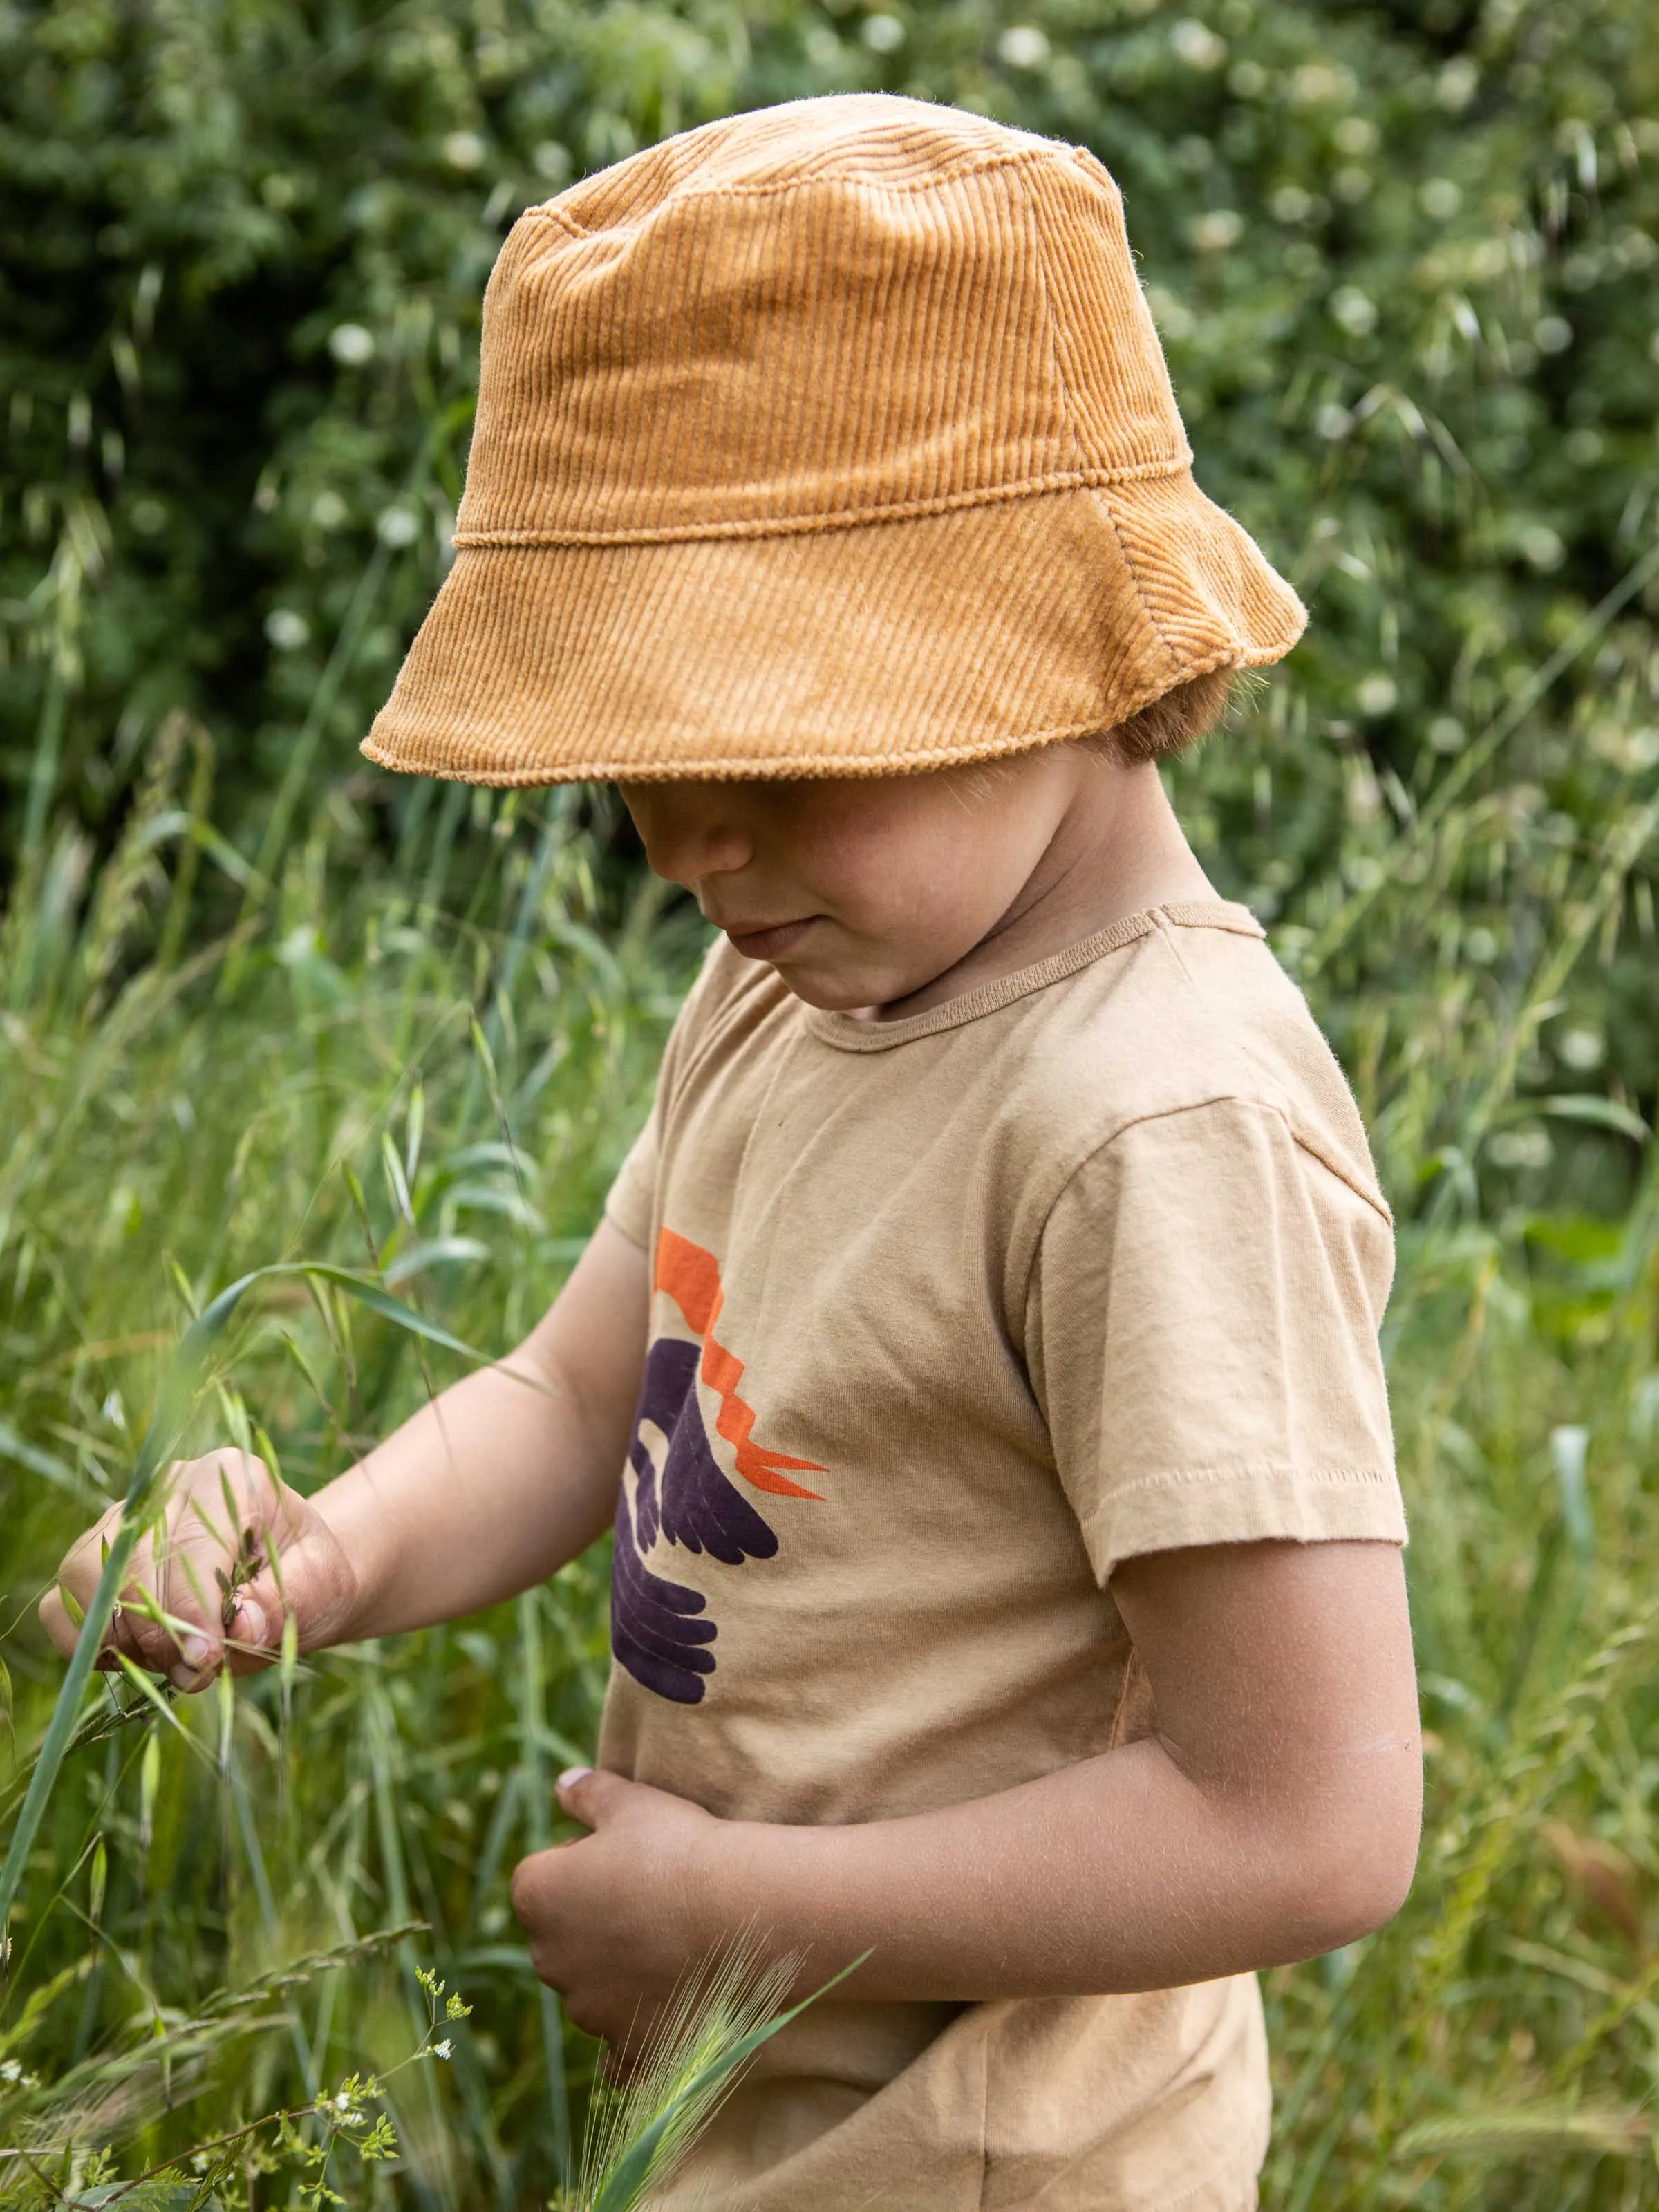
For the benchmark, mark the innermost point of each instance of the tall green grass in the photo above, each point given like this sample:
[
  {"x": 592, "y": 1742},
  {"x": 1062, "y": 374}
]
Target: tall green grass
[
  {"x": 435, "y": 1097},
  {"x": 420, "y": 1068}
]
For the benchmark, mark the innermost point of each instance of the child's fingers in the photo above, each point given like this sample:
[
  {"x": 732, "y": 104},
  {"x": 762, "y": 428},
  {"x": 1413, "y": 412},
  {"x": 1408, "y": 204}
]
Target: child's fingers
[
  {"x": 55, "y": 1619},
  {"x": 253, "y": 1635}
]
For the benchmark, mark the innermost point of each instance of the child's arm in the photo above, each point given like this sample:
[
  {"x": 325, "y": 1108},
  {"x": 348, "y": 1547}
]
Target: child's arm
[
  {"x": 1274, "y": 1815},
  {"x": 487, "y": 1490}
]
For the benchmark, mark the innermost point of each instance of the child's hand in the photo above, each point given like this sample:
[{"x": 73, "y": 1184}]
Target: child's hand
[
  {"x": 615, "y": 1918},
  {"x": 208, "y": 1569}
]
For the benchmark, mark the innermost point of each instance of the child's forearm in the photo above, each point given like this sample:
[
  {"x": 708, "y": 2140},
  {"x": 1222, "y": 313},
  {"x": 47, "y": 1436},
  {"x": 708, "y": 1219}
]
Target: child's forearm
[
  {"x": 1116, "y": 1875},
  {"x": 483, "y": 1493},
  {"x": 509, "y": 1472},
  {"x": 1274, "y": 1815}
]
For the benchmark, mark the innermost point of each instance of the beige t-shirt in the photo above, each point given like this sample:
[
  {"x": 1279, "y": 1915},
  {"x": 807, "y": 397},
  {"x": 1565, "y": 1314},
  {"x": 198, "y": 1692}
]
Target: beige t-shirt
[{"x": 951, "y": 1314}]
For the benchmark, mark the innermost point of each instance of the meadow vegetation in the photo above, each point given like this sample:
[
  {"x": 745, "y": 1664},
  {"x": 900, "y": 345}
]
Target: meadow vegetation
[{"x": 259, "y": 1005}]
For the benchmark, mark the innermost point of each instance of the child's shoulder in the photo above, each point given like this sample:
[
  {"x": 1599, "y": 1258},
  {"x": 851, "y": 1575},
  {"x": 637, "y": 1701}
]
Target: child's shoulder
[{"x": 1191, "y": 1010}]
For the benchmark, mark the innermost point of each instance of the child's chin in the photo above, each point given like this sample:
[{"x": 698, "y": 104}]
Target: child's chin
[{"x": 830, "y": 994}]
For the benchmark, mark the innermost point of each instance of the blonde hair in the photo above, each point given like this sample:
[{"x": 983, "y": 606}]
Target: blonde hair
[{"x": 1169, "y": 725}]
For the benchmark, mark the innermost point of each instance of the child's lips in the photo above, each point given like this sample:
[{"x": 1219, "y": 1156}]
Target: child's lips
[{"x": 770, "y": 942}]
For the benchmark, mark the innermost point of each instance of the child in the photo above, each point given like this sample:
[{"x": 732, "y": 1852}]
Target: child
[{"x": 978, "y": 1356}]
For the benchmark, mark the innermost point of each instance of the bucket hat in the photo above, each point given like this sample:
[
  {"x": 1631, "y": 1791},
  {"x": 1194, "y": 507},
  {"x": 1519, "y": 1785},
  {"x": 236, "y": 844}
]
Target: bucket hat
[{"x": 833, "y": 439}]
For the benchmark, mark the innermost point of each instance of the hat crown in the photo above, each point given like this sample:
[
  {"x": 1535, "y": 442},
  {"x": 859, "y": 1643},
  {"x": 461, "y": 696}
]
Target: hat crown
[{"x": 823, "y": 313}]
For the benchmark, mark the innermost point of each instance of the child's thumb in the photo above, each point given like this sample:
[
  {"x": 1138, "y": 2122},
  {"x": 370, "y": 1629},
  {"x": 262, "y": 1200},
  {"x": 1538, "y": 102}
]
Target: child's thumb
[
  {"x": 309, "y": 1581},
  {"x": 588, "y": 1796}
]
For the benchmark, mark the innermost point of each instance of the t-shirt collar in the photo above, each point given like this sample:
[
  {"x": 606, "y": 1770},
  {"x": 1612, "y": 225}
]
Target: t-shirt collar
[{"x": 847, "y": 1034}]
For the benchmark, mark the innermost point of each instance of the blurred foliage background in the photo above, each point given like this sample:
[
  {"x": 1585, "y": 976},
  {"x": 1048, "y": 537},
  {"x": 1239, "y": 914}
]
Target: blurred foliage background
[{"x": 258, "y": 1000}]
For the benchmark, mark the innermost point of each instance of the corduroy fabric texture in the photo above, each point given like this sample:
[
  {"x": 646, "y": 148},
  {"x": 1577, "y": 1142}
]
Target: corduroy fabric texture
[{"x": 833, "y": 439}]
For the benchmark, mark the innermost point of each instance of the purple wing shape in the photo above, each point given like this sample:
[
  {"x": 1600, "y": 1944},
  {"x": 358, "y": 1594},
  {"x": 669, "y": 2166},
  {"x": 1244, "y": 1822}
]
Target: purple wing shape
[
  {"x": 657, "y": 1631},
  {"x": 695, "y": 1505}
]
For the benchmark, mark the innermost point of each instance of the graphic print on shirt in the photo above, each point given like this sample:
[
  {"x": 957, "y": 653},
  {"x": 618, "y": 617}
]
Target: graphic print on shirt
[{"x": 660, "y": 1629}]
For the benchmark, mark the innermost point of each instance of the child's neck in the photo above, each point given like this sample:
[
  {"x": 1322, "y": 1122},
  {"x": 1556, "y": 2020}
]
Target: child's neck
[{"x": 1118, "y": 850}]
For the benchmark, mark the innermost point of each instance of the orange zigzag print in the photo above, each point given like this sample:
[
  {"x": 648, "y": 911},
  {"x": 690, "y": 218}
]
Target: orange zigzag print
[{"x": 691, "y": 1277}]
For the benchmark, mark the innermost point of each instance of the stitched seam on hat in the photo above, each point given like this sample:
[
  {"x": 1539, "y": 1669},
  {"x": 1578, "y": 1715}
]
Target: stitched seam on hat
[
  {"x": 1152, "y": 622},
  {"x": 549, "y": 212},
  {"x": 845, "y": 517},
  {"x": 1052, "y": 313},
  {"x": 677, "y": 195},
  {"x": 1183, "y": 669}
]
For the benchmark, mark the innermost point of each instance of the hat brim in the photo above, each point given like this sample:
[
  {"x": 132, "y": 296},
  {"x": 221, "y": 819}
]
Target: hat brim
[{"x": 879, "y": 649}]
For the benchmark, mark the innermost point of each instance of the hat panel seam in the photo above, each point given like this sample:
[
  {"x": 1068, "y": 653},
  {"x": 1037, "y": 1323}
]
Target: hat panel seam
[
  {"x": 850, "y": 518},
  {"x": 1148, "y": 614},
  {"x": 1182, "y": 669},
  {"x": 550, "y": 211},
  {"x": 1051, "y": 314}
]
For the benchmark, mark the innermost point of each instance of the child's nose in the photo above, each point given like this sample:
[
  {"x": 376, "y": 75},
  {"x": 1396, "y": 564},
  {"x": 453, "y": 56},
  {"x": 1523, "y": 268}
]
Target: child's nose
[{"x": 688, "y": 840}]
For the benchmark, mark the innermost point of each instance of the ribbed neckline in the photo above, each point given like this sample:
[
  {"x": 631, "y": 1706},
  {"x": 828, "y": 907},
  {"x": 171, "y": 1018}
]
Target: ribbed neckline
[{"x": 847, "y": 1034}]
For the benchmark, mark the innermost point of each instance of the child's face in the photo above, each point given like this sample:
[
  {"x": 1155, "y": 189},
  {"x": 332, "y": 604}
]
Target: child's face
[{"x": 861, "y": 890}]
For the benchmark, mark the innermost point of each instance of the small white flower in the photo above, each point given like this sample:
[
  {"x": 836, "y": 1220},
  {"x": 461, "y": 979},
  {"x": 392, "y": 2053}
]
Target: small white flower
[
  {"x": 1355, "y": 135},
  {"x": 1022, "y": 45},
  {"x": 1552, "y": 335},
  {"x": 883, "y": 35},
  {"x": 1353, "y": 310},
  {"x": 1315, "y": 83},
  {"x": 351, "y": 344},
  {"x": 1582, "y": 1048},
  {"x": 1290, "y": 204},
  {"x": 465, "y": 150},
  {"x": 1446, "y": 734},
  {"x": 329, "y": 510},
  {"x": 397, "y": 526},
  {"x": 1439, "y": 197},
  {"x": 1333, "y": 422},
  {"x": 442, "y": 2050},
  {"x": 1541, "y": 547},
  {"x": 1378, "y": 695},
  {"x": 1197, "y": 45},
  {"x": 287, "y": 629},
  {"x": 1456, "y": 83},
  {"x": 1215, "y": 231}
]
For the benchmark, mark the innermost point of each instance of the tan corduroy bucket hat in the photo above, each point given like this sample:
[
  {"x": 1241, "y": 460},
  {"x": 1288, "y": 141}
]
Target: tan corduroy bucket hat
[{"x": 830, "y": 440}]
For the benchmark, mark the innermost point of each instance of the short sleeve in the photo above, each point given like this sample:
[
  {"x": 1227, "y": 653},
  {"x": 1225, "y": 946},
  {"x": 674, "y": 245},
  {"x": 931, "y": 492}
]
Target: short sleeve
[
  {"x": 630, "y": 1199},
  {"x": 1202, "y": 1334}
]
